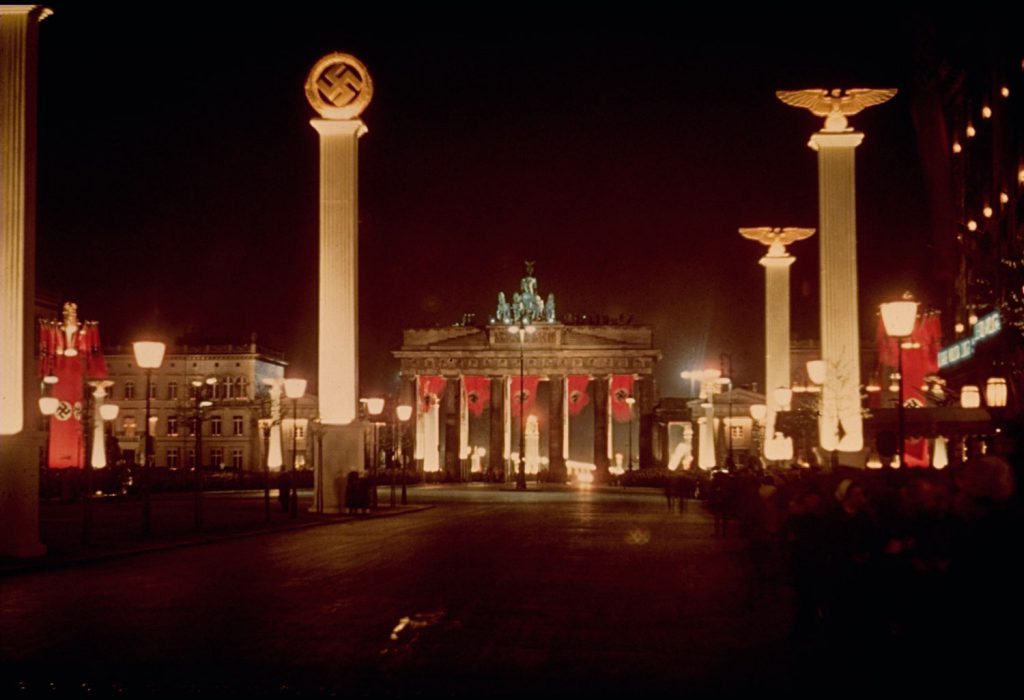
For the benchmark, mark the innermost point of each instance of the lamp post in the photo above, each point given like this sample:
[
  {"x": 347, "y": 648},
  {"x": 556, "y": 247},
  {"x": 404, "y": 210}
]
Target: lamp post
[
  {"x": 404, "y": 413},
  {"x": 48, "y": 405},
  {"x": 266, "y": 473},
  {"x": 197, "y": 424},
  {"x": 149, "y": 355},
  {"x": 294, "y": 390},
  {"x": 374, "y": 407},
  {"x": 318, "y": 459},
  {"x": 521, "y": 328},
  {"x": 630, "y": 401},
  {"x": 898, "y": 318},
  {"x": 726, "y": 379},
  {"x": 758, "y": 412}
]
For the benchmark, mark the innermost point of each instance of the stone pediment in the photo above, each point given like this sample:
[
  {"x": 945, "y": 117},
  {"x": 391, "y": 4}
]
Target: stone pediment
[
  {"x": 607, "y": 337},
  {"x": 451, "y": 338}
]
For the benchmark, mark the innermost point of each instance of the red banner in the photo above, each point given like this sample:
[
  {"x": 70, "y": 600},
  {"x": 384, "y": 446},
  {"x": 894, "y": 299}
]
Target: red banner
[
  {"x": 915, "y": 452},
  {"x": 478, "y": 393},
  {"x": 577, "y": 388},
  {"x": 431, "y": 390},
  {"x": 71, "y": 352},
  {"x": 523, "y": 399},
  {"x": 621, "y": 389},
  {"x": 920, "y": 354}
]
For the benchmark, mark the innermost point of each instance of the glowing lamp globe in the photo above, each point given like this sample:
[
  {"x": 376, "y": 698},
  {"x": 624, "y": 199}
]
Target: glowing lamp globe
[
  {"x": 48, "y": 405},
  {"x": 294, "y": 388},
  {"x": 374, "y": 406},
  {"x": 404, "y": 413},
  {"x": 898, "y": 317},
  {"x": 970, "y": 397},
  {"x": 109, "y": 411},
  {"x": 995, "y": 392},
  {"x": 816, "y": 371},
  {"x": 783, "y": 397},
  {"x": 149, "y": 354},
  {"x": 758, "y": 411}
]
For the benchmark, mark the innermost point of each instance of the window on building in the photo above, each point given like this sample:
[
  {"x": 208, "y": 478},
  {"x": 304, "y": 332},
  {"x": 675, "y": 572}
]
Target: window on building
[
  {"x": 243, "y": 388},
  {"x": 172, "y": 390},
  {"x": 736, "y": 432},
  {"x": 172, "y": 426},
  {"x": 129, "y": 390},
  {"x": 300, "y": 431},
  {"x": 236, "y": 459},
  {"x": 217, "y": 456},
  {"x": 174, "y": 457},
  {"x": 215, "y": 428},
  {"x": 191, "y": 427},
  {"x": 152, "y": 390},
  {"x": 191, "y": 458},
  {"x": 236, "y": 425},
  {"x": 129, "y": 426}
]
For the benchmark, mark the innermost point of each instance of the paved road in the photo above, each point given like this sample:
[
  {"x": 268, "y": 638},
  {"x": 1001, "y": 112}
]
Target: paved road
[{"x": 490, "y": 591}]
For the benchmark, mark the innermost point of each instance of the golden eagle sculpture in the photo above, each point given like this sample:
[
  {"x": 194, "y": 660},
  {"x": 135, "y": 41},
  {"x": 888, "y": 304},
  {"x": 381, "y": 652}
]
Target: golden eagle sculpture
[{"x": 836, "y": 105}]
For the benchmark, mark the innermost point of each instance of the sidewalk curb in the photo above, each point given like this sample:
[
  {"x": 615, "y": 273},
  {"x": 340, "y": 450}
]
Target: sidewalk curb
[{"x": 30, "y": 566}]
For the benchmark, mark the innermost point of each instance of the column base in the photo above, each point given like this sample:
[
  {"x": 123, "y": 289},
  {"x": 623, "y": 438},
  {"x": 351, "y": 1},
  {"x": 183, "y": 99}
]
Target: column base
[
  {"x": 19, "y": 496},
  {"x": 342, "y": 453}
]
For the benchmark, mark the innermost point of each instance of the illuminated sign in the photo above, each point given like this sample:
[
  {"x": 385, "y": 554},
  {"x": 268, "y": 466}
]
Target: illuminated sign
[{"x": 985, "y": 328}]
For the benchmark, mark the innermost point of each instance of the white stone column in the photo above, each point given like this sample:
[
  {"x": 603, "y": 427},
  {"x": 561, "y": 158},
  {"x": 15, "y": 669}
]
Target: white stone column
[
  {"x": 840, "y": 425},
  {"x": 339, "y": 88},
  {"x": 776, "y": 329},
  {"x": 20, "y": 437}
]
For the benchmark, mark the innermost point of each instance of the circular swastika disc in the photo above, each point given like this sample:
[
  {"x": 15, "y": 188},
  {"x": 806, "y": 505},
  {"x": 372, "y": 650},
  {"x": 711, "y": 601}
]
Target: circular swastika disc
[{"x": 339, "y": 86}]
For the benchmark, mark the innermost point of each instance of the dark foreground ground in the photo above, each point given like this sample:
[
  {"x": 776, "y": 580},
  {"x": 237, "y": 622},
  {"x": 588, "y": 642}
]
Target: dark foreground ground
[{"x": 486, "y": 592}]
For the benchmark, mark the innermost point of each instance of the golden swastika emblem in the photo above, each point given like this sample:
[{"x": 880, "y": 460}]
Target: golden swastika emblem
[{"x": 339, "y": 86}]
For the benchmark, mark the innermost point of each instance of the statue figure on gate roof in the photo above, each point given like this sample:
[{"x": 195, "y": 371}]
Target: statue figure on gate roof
[{"x": 527, "y": 305}]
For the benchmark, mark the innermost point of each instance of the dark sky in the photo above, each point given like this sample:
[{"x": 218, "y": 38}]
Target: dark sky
[{"x": 178, "y": 172}]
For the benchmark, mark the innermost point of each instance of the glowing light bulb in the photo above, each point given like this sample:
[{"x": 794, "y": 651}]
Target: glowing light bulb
[
  {"x": 1004, "y": 91},
  {"x": 987, "y": 211},
  {"x": 1004, "y": 198},
  {"x": 986, "y": 112},
  {"x": 959, "y": 328},
  {"x": 956, "y": 147},
  {"x": 970, "y": 131},
  {"x": 972, "y": 225}
]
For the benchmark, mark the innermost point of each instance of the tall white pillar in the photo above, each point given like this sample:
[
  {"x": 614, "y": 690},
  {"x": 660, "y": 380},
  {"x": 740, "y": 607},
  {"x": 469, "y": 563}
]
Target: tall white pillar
[
  {"x": 339, "y": 88},
  {"x": 20, "y": 437},
  {"x": 776, "y": 310},
  {"x": 840, "y": 425}
]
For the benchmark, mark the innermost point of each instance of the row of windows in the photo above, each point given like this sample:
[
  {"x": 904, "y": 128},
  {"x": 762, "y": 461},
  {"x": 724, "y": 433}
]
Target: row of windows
[
  {"x": 173, "y": 458},
  {"x": 229, "y": 388},
  {"x": 216, "y": 425}
]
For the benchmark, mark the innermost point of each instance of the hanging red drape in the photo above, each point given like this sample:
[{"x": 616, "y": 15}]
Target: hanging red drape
[
  {"x": 577, "y": 388},
  {"x": 478, "y": 393},
  {"x": 915, "y": 452},
  {"x": 621, "y": 389},
  {"x": 526, "y": 397},
  {"x": 920, "y": 359},
  {"x": 431, "y": 389}
]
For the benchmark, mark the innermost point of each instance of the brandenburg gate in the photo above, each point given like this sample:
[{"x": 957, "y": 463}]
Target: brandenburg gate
[{"x": 580, "y": 384}]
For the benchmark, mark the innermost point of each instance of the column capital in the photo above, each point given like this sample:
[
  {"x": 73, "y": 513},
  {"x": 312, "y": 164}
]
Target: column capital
[
  {"x": 340, "y": 127},
  {"x": 784, "y": 260},
  {"x": 823, "y": 139},
  {"x": 40, "y": 11}
]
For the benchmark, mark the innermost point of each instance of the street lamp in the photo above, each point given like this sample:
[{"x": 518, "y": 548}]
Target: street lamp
[
  {"x": 630, "y": 401},
  {"x": 521, "y": 328},
  {"x": 898, "y": 318},
  {"x": 995, "y": 392},
  {"x": 197, "y": 483},
  {"x": 149, "y": 355},
  {"x": 374, "y": 407},
  {"x": 294, "y": 389},
  {"x": 48, "y": 405},
  {"x": 404, "y": 413}
]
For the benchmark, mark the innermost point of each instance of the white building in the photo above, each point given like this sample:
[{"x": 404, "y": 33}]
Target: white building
[{"x": 234, "y": 428}]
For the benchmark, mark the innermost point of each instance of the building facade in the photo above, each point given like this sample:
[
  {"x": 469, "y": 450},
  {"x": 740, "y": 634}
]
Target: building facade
[{"x": 234, "y": 427}]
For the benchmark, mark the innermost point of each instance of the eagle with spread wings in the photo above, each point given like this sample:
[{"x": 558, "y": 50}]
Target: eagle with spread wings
[{"x": 836, "y": 105}]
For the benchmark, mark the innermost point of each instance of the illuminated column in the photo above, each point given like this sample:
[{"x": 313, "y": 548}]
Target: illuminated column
[
  {"x": 776, "y": 309},
  {"x": 339, "y": 88},
  {"x": 840, "y": 425},
  {"x": 274, "y": 456},
  {"x": 19, "y": 434},
  {"x": 840, "y": 331}
]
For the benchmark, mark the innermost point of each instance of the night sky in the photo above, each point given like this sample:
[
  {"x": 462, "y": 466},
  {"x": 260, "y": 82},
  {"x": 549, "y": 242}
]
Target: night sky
[{"x": 178, "y": 172}]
